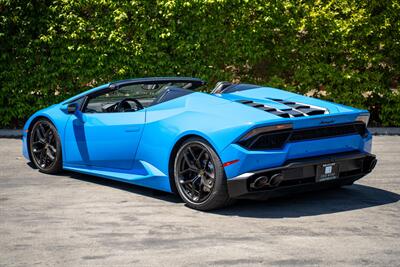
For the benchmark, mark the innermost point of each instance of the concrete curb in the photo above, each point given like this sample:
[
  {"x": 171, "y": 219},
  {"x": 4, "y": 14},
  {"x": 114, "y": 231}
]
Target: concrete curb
[
  {"x": 385, "y": 130},
  {"x": 8, "y": 133}
]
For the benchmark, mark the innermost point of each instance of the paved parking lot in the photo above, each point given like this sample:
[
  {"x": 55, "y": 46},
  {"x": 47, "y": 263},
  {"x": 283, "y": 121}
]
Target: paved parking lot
[{"x": 73, "y": 219}]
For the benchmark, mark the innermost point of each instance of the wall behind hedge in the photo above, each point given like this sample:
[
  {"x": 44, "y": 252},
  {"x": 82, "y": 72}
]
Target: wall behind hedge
[{"x": 345, "y": 51}]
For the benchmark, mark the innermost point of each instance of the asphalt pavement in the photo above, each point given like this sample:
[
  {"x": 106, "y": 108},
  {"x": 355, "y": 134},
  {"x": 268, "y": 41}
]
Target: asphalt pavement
[{"x": 80, "y": 220}]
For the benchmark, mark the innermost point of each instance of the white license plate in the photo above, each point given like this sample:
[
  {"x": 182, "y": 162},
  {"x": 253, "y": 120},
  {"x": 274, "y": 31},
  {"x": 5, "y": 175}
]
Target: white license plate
[{"x": 327, "y": 171}]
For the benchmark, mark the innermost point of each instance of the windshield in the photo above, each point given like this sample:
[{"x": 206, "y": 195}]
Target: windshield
[
  {"x": 136, "y": 96},
  {"x": 145, "y": 93}
]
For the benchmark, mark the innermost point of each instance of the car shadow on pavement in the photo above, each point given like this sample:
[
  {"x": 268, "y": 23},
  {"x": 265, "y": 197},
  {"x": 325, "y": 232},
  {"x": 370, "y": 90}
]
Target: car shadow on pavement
[{"x": 328, "y": 201}]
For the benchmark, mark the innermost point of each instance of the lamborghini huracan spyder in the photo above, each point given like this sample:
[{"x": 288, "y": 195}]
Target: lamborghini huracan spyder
[{"x": 239, "y": 141}]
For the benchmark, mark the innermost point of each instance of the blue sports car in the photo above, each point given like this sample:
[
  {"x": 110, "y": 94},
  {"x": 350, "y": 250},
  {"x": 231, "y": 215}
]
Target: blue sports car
[{"x": 239, "y": 141}]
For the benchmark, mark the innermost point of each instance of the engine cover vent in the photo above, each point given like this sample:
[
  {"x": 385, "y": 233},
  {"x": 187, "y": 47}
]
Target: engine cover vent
[{"x": 293, "y": 109}]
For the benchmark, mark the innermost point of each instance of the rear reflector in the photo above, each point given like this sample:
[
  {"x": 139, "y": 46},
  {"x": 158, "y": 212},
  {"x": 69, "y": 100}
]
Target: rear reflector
[{"x": 226, "y": 164}]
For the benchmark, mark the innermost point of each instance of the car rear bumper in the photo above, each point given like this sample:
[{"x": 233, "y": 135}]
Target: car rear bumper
[{"x": 300, "y": 175}]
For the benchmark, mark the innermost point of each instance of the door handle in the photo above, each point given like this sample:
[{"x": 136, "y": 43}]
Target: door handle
[{"x": 132, "y": 129}]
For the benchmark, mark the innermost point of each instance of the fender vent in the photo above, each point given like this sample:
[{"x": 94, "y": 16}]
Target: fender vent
[{"x": 293, "y": 109}]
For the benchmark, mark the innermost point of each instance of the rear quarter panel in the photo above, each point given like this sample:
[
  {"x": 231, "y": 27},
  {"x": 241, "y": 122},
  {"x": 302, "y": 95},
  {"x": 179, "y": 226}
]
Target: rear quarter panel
[{"x": 216, "y": 120}]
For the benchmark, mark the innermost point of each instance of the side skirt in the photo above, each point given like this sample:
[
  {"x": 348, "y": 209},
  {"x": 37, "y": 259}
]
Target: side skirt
[{"x": 153, "y": 178}]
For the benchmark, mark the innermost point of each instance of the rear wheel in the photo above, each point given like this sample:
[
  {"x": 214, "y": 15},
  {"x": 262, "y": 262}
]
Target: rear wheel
[
  {"x": 45, "y": 147},
  {"x": 199, "y": 176}
]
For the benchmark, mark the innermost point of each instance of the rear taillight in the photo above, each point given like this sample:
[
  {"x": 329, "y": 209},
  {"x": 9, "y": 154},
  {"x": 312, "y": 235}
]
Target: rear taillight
[
  {"x": 363, "y": 118},
  {"x": 275, "y": 137},
  {"x": 269, "y": 137},
  {"x": 267, "y": 129}
]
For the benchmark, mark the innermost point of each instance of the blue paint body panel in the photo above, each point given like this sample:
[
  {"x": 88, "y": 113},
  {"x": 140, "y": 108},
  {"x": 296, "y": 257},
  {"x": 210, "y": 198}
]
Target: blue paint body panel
[{"x": 136, "y": 147}]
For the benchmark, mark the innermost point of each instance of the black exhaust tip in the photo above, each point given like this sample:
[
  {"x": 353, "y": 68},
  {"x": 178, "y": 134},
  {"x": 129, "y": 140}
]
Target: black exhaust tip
[
  {"x": 276, "y": 179},
  {"x": 372, "y": 165},
  {"x": 260, "y": 182}
]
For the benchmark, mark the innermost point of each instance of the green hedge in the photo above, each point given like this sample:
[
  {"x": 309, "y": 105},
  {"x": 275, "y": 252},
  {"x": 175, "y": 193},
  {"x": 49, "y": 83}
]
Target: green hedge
[{"x": 345, "y": 51}]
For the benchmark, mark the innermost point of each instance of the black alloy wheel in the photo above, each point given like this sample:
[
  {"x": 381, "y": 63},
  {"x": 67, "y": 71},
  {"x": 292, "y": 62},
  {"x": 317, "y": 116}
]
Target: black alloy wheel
[
  {"x": 45, "y": 147},
  {"x": 199, "y": 176}
]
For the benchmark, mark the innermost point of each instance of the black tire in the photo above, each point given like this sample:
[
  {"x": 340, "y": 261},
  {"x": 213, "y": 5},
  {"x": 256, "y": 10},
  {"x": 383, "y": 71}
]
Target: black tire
[
  {"x": 198, "y": 174},
  {"x": 45, "y": 147}
]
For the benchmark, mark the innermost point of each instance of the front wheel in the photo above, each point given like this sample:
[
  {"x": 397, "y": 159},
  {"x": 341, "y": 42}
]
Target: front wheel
[
  {"x": 199, "y": 176},
  {"x": 45, "y": 147}
]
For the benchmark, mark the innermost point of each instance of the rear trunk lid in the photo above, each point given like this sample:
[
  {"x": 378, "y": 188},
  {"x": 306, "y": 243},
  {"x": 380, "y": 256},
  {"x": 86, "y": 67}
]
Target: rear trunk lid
[{"x": 299, "y": 110}]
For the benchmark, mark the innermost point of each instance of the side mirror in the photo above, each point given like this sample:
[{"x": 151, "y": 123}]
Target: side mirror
[{"x": 72, "y": 108}]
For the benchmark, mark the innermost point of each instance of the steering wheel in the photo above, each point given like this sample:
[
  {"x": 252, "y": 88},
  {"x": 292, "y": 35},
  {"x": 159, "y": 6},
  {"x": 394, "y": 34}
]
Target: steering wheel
[{"x": 124, "y": 106}]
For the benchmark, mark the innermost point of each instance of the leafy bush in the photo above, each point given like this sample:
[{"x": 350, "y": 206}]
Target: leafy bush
[{"x": 346, "y": 51}]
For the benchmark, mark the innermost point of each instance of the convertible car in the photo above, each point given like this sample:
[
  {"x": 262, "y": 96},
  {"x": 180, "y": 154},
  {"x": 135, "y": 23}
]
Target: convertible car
[{"x": 239, "y": 141}]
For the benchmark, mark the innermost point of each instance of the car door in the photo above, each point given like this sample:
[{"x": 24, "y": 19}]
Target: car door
[
  {"x": 107, "y": 140},
  {"x": 103, "y": 139}
]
